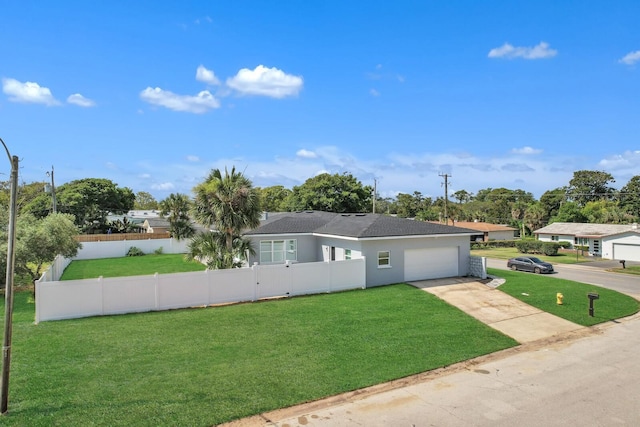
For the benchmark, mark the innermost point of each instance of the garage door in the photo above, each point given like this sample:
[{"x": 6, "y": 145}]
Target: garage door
[
  {"x": 420, "y": 264},
  {"x": 626, "y": 252}
]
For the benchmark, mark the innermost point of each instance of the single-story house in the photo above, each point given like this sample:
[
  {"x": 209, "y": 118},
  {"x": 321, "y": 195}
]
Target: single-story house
[
  {"x": 488, "y": 231},
  {"x": 396, "y": 249},
  {"x": 611, "y": 241},
  {"x": 156, "y": 225}
]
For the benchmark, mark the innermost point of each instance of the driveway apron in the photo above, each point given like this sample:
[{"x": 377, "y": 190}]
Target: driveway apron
[{"x": 500, "y": 311}]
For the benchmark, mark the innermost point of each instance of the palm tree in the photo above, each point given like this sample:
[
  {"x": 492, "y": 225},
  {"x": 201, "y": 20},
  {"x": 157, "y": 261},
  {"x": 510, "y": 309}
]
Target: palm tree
[
  {"x": 176, "y": 207},
  {"x": 210, "y": 249},
  {"x": 231, "y": 205}
]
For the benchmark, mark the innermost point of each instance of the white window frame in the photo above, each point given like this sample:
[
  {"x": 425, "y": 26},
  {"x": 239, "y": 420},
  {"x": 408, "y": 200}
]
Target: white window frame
[
  {"x": 382, "y": 258},
  {"x": 279, "y": 251}
]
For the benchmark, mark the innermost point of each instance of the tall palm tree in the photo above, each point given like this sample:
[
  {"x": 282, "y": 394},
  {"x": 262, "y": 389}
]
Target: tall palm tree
[
  {"x": 231, "y": 205},
  {"x": 176, "y": 208}
]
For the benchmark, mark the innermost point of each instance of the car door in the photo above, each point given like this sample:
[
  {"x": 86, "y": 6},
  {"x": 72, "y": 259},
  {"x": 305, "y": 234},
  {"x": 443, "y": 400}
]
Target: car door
[{"x": 527, "y": 264}]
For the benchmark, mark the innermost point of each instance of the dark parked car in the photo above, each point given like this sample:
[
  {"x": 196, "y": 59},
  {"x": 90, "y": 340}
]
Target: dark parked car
[{"x": 530, "y": 263}]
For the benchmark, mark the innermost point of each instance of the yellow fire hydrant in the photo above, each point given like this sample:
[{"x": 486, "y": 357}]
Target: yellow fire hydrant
[{"x": 559, "y": 298}]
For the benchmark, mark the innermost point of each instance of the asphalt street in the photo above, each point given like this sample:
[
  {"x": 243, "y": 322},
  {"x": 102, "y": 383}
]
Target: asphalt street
[{"x": 592, "y": 273}]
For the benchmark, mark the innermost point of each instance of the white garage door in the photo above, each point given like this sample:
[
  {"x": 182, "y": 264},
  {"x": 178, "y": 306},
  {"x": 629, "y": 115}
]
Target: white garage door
[
  {"x": 626, "y": 252},
  {"x": 420, "y": 264}
]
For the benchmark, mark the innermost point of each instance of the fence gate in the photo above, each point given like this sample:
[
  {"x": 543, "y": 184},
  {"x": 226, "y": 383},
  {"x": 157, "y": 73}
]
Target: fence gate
[{"x": 273, "y": 281}]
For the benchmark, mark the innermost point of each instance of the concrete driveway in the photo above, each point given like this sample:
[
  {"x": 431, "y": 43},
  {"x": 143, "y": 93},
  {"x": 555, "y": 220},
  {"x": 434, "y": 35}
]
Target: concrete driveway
[{"x": 508, "y": 315}]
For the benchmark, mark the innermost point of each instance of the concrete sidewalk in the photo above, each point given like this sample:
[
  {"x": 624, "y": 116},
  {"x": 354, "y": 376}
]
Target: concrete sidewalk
[{"x": 503, "y": 312}]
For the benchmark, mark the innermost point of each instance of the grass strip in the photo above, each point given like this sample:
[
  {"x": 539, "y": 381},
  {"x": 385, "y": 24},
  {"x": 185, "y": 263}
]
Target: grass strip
[{"x": 540, "y": 291}]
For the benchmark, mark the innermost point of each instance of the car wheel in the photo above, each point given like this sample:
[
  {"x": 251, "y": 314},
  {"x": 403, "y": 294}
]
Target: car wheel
[
  {"x": 514, "y": 268},
  {"x": 537, "y": 270}
]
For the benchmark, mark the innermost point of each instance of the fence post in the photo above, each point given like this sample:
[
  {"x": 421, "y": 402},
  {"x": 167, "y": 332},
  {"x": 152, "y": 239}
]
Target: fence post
[
  {"x": 155, "y": 290},
  {"x": 289, "y": 277},
  {"x": 101, "y": 282},
  {"x": 207, "y": 276},
  {"x": 255, "y": 268},
  {"x": 35, "y": 284}
]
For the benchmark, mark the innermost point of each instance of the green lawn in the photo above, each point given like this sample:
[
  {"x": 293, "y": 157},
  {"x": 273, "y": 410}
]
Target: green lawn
[
  {"x": 200, "y": 367},
  {"x": 633, "y": 269},
  {"x": 568, "y": 257},
  {"x": 540, "y": 291},
  {"x": 130, "y": 266}
]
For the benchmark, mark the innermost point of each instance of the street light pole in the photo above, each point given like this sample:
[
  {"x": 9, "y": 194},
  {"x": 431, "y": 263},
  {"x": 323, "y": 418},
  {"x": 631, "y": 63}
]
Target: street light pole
[
  {"x": 8, "y": 292},
  {"x": 54, "y": 204}
]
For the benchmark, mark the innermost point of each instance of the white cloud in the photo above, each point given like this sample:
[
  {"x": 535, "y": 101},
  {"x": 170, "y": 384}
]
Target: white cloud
[
  {"x": 192, "y": 158},
  {"x": 198, "y": 104},
  {"x": 163, "y": 186},
  {"x": 265, "y": 81},
  {"x": 626, "y": 160},
  {"x": 374, "y": 92},
  {"x": 80, "y": 100},
  {"x": 526, "y": 150},
  {"x": 306, "y": 154},
  {"x": 207, "y": 76},
  {"x": 540, "y": 51},
  {"x": 29, "y": 92},
  {"x": 631, "y": 58}
]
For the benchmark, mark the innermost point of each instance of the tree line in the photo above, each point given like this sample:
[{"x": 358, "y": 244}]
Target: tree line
[{"x": 228, "y": 203}]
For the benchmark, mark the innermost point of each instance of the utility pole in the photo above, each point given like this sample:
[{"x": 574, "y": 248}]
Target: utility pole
[
  {"x": 446, "y": 196},
  {"x": 375, "y": 184},
  {"x": 54, "y": 204},
  {"x": 8, "y": 290}
]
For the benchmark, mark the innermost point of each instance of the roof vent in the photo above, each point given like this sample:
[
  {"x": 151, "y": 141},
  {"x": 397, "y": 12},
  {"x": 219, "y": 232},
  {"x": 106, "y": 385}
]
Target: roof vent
[
  {"x": 345, "y": 214},
  {"x": 634, "y": 226},
  {"x": 361, "y": 214}
]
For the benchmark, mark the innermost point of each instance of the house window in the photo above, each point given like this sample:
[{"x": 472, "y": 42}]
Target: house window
[
  {"x": 278, "y": 251},
  {"x": 384, "y": 259},
  {"x": 347, "y": 254},
  {"x": 554, "y": 238}
]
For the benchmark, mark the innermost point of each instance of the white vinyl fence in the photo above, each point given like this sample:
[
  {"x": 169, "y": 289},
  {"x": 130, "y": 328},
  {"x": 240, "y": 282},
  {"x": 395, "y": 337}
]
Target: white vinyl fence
[
  {"x": 119, "y": 248},
  {"x": 71, "y": 299}
]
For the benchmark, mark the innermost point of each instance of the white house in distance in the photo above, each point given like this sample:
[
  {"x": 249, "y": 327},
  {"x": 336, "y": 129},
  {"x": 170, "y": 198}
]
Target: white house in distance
[
  {"x": 396, "y": 249},
  {"x": 610, "y": 241}
]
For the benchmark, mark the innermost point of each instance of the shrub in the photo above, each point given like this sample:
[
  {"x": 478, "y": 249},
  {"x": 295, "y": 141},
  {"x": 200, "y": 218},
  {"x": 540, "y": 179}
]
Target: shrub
[
  {"x": 530, "y": 246},
  {"x": 158, "y": 251},
  {"x": 133, "y": 251},
  {"x": 493, "y": 244},
  {"x": 550, "y": 248}
]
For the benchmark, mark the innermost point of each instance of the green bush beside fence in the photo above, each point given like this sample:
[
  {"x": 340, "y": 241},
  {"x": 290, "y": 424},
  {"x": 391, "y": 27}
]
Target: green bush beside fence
[{"x": 530, "y": 246}]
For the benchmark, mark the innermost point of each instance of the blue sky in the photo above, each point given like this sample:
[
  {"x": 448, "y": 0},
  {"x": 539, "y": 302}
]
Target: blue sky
[{"x": 153, "y": 95}]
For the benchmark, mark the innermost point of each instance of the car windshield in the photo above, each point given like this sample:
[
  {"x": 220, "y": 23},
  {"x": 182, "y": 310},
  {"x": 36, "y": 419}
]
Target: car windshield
[{"x": 536, "y": 260}]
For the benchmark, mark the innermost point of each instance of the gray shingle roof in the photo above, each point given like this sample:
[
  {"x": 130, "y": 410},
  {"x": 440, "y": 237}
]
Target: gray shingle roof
[
  {"x": 585, "y": 229},
  {"x": 351, "y": 225}
]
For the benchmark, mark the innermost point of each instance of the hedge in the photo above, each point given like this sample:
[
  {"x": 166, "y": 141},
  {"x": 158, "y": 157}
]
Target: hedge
[{"x": 538, "y": 247}]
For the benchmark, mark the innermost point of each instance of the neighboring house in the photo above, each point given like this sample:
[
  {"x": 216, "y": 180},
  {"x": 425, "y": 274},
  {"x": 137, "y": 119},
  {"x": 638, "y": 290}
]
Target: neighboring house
[
  {"x": 488, "y": 231},
  {"x": 156, "y": 225},
  {"x": 162, "y": 225},
  {"x": 611, "y": 241},
  {"x": 396, "y": 249},
  {"x": 153, "y": 213}
]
